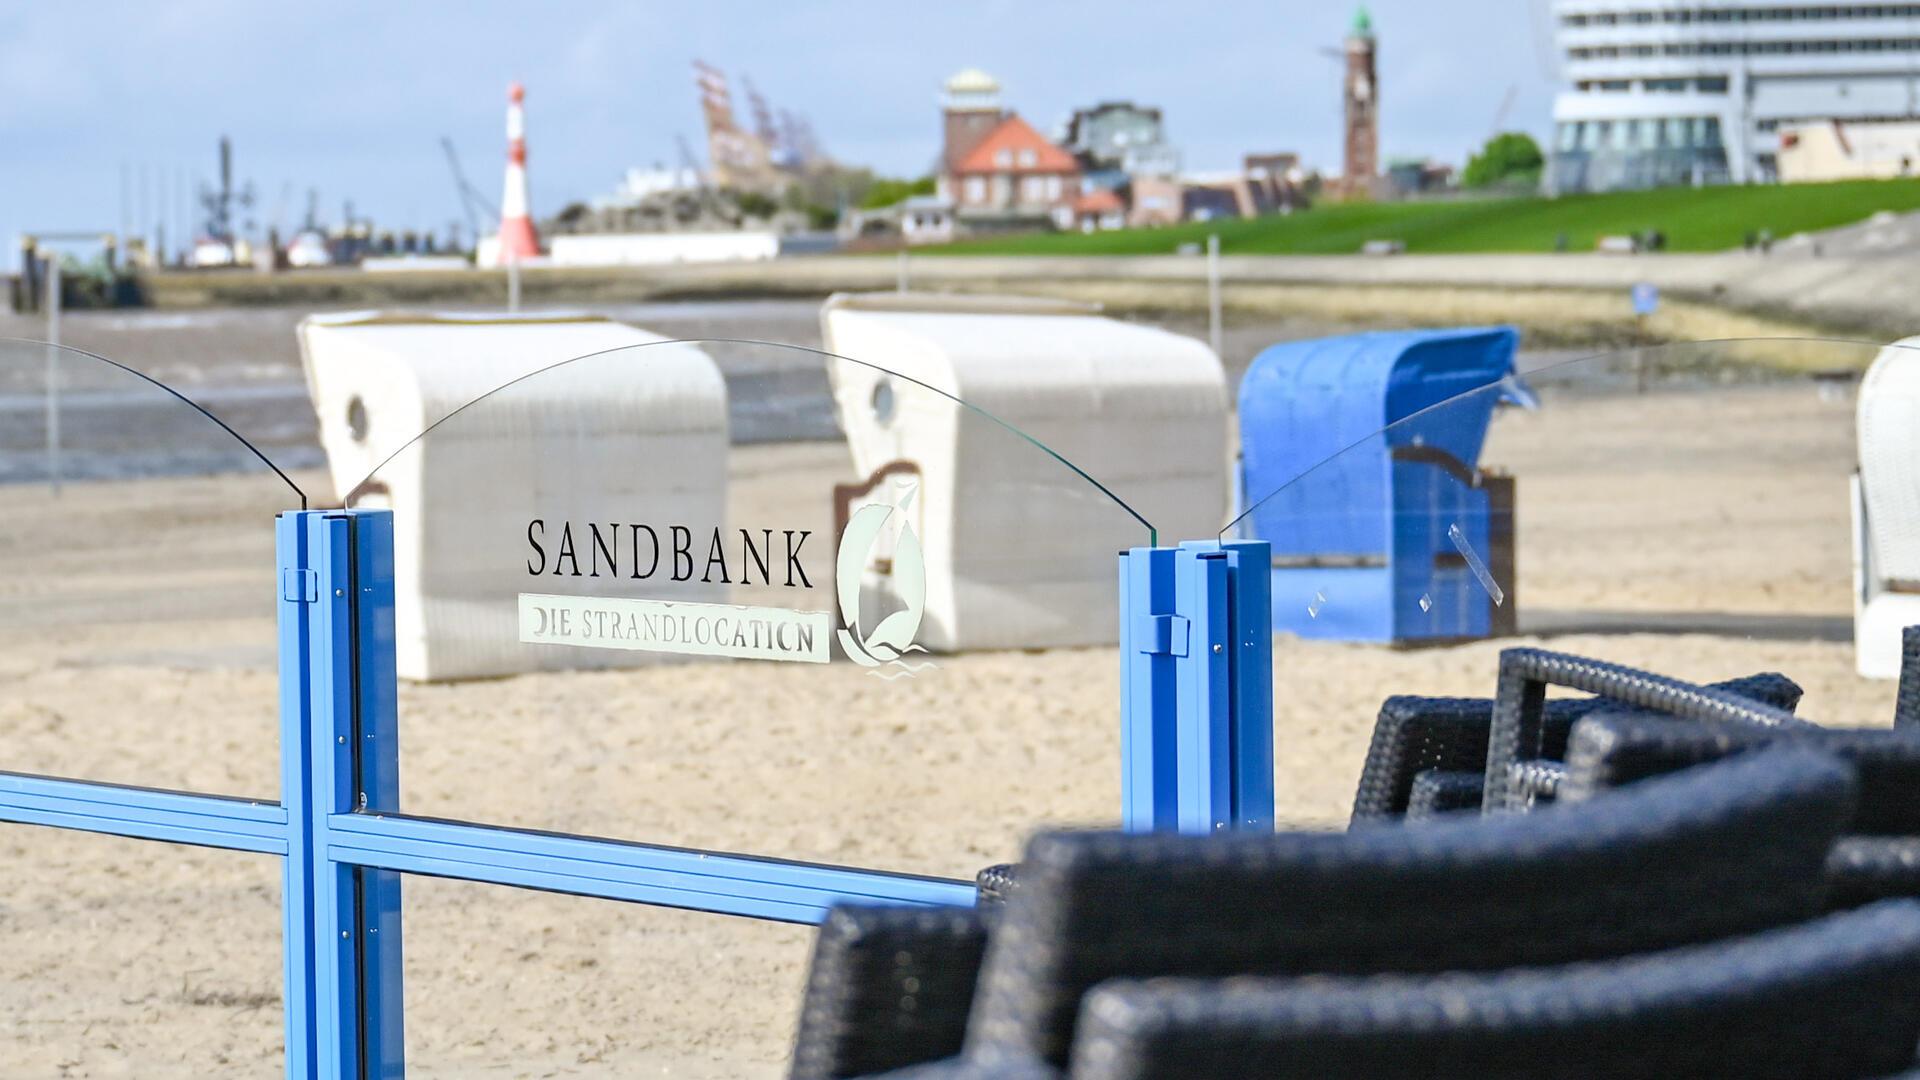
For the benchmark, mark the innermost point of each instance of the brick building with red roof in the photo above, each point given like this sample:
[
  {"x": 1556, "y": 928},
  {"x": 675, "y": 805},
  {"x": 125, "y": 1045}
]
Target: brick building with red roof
[{"x": 999, "y": 173}]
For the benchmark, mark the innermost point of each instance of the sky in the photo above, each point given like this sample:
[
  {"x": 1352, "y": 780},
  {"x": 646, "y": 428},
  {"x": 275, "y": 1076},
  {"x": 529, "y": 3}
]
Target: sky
[{"x": 352, "y": 99}]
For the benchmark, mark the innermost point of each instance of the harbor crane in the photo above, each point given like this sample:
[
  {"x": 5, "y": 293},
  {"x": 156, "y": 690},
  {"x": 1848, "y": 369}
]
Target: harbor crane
[{"x": 472, "y": 202}]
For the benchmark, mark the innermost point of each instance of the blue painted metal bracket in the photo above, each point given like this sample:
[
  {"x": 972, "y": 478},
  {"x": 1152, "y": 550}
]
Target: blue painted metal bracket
[{"x": 1196, "y": 687}]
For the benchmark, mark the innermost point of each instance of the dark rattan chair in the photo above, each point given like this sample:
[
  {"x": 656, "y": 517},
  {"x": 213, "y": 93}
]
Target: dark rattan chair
[
  {"x": 1414, "y": 735},
  {"x": 1519, "y": 729},
  {"x": 1712, "y": 852},
  {"x": 889, "y": 987},
  {"x": 1612, "y": 748},
  {"x": 1838, "y": 997}
]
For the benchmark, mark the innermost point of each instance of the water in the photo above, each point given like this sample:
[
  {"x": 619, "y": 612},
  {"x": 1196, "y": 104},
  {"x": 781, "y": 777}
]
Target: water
[{"x": 243, "y": 365}]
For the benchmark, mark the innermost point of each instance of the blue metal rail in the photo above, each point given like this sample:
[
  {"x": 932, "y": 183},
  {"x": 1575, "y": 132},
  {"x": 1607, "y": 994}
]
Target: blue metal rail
[
  {"x": 147, "y": 813},
  {"x": 618, "y": 870}
]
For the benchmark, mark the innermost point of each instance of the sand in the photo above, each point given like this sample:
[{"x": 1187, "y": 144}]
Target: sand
[{"x": 136, "y": 645}]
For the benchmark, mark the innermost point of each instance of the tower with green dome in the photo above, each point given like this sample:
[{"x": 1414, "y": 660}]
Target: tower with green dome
[{"x": 1361, "y": 165}]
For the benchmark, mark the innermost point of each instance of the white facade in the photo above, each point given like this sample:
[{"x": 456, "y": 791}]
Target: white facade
[
  {"x": 1696, "y": 91},
  {"x": 926, "y": 219},
  {"x": 641, "y": 184}
]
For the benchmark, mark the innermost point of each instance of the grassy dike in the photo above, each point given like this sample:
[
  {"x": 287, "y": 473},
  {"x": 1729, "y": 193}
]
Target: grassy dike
[{"x": 1693, "y": 219}]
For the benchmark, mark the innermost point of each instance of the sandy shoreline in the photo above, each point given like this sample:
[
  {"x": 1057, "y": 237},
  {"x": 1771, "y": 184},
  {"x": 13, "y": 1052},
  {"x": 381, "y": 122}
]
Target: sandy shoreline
[{"x": 136, "y": 645}]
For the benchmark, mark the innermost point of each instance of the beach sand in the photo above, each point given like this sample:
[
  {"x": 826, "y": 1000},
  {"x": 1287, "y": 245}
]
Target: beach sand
[{"x": 136, "y": 645}]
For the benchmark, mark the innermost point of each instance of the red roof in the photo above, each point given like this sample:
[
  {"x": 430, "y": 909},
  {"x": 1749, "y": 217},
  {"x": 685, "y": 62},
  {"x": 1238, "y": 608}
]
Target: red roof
[
  {"x": 1098, "y": 202},
  {"x": 1015, "y": 135}
]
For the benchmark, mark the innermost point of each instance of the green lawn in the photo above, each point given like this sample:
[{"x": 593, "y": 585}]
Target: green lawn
[{"x": 1694, "y": 219}]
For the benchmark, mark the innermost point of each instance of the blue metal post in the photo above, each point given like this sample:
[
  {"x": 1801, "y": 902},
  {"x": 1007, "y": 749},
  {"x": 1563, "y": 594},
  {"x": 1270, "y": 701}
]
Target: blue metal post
[
  {"x": 339, "y": 751},
  {"x": 299, "y": 591},
  {"x": 377, "y": 767},
  {"x": 1196, "y": 687}
]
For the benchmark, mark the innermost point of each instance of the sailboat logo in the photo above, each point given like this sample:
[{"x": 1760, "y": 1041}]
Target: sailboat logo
[{"x": 890, "y": 639}]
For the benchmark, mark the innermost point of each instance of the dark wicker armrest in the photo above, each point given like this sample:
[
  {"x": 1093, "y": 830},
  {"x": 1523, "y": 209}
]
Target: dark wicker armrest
[
  {"x": 889, "y": 987},
  {"x": 995, "y": 885},
  {"x": 1413, "y": 734},
  {"x": 1440, "y": 791},
  {"x": 1614, "y": 747},
  {"x": 1836, "y": 996}
]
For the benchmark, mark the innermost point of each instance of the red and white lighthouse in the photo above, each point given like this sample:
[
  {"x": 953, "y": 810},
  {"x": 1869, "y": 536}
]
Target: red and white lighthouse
[{"x": 517, "y": 240}]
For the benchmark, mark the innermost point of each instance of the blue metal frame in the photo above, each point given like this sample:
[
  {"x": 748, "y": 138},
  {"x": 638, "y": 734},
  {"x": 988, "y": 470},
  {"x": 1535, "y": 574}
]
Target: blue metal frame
[{"x": 1196, "y": 742}]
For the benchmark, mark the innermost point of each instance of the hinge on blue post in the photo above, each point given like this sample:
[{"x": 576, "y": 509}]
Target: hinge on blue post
[
  {"x": 299, "y": 586},
  {"x": 1163, "y": 635}
]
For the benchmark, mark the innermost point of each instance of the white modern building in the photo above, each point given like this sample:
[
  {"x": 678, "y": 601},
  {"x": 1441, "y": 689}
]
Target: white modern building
[{"x": 1696, "y": 91}]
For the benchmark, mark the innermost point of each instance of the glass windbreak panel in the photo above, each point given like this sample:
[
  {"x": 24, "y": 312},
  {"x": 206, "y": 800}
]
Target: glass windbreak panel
[
  {"x": 137, "y": 582},
  {"x": 663, "y": 593},
  {"x": 130, "y": 958},
  {"x": 648, "y": 991},
  {"x": 1707, "y": 511}
]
